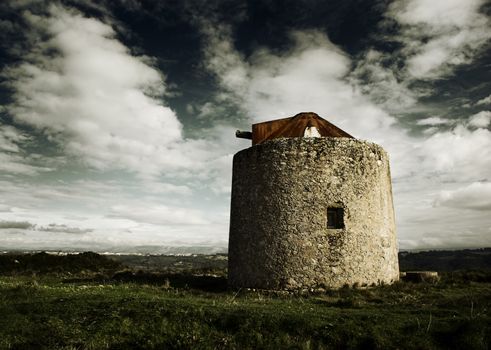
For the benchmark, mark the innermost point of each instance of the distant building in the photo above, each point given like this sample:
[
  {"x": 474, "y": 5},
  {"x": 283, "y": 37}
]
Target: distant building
[{"x": 311, "y": 208}]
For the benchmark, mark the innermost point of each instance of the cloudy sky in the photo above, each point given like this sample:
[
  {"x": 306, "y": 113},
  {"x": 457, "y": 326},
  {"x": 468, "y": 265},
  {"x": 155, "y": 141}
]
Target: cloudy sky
[{"x": 117, "y": 118}]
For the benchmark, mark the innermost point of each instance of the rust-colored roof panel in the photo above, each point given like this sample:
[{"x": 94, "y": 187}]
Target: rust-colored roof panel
[
  {"x": 262, "y": 131},
  {"x": 294, "y": 127}
]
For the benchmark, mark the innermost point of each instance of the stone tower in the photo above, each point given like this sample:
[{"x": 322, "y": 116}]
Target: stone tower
[{"x": 311, "y": 207}]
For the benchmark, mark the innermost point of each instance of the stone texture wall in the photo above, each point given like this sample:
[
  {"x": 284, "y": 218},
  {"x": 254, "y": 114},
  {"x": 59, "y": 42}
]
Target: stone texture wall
[{"x": 281, "y": 190}]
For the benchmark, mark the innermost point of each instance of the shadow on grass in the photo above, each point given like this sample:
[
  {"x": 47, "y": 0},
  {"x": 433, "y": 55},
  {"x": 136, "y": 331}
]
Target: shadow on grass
[{"x": 206, "y": 283}]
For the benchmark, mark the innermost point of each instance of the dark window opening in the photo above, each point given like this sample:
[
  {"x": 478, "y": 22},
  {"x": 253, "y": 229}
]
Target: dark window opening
[{"x": 335, "y": 218}]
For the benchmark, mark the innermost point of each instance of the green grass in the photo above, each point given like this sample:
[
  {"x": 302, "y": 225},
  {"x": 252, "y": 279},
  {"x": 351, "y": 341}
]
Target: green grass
[{"x": 180, "y": 312}]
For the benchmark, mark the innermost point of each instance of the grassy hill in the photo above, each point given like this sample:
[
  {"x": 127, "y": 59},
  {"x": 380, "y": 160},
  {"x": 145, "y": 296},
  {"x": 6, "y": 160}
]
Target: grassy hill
[{"x": 109, "y": 305}]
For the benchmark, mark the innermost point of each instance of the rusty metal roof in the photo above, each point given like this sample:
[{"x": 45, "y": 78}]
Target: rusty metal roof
[{"x": 294, "y": 127}]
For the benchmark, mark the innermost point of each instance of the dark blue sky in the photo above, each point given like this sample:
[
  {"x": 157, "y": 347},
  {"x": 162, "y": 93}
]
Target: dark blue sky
[{"x": 117, "y": 117}]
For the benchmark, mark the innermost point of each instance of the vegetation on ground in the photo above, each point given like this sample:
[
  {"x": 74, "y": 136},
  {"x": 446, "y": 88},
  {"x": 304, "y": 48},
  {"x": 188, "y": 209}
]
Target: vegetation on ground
[
  {"x": 113, "y": 307},
  {"x": 446, "y": 260}
]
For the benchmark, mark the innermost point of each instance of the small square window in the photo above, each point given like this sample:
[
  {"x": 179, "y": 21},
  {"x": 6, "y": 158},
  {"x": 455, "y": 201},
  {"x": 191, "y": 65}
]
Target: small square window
[{"x": 335, "y": 218}]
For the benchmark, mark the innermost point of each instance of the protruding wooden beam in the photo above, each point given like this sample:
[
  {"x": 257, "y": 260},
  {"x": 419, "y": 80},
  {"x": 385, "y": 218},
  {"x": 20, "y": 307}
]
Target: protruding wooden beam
[{"x": 243, "y": 134}]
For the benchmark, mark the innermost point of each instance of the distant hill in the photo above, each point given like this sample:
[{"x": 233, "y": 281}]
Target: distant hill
[
  {"x": 446, "y": 260},
  {"x": 44, "y": 262},
  {"x": 434, "y": 260}
]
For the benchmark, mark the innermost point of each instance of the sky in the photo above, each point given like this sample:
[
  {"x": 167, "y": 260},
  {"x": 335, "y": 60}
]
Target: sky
[{"x": 118, "y": 118}]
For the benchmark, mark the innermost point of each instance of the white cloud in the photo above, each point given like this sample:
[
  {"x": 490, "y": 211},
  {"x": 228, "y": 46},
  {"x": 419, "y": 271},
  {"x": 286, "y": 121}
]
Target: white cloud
[
  {"x": 13, "y": 160},
  {"x": 91, "y": 197},
  {"x": 382, "y": 84},
  {"x": 435, "y": 38},
  {"x": 484, "y": 101},
  {"x": 103, "y": 107},
  {"x": 85, "y": 89},
  {"x": 115, "y": 216},
  {"x": 159, "y": 215},
  {"x": 160, "y": 188},
  {"x": 431, "y": 121},
  {"x": 423, "y": 223},
  {"x": 475, "y": 196},
  {"x": 5, "y": 208},
  {"x": 438, "y": 12},
  {"x": 459, "y": 154},
  {"x": 309, "y": 77},
  {"x": 11, "y": 138},
  {"x": 122, "y": 237},
  {"x": 439, "y": 34},
  {"x": 19, "y": 165},
  {"x": 480, "y": 120},
  {"x": 222, "y": 58}
]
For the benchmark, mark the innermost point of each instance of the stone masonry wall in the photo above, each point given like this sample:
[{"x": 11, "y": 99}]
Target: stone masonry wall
[{"x": 281, "y": 190}]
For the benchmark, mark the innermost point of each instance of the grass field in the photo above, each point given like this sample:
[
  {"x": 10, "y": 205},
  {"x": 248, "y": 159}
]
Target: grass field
[{"x": 127, "y": 310}]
